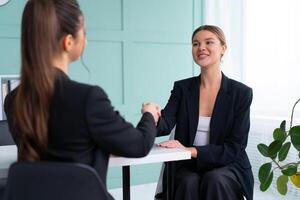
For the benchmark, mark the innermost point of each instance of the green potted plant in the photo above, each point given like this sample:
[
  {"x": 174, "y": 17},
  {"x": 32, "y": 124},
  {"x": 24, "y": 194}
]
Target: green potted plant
[{"x": 277, "y": 152}]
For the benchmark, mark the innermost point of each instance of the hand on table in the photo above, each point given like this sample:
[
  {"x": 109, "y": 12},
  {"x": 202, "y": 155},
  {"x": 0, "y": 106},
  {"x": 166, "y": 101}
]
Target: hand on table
[
  {"x": 177, "y": 144},
  {"x": 171, "y": 144}
]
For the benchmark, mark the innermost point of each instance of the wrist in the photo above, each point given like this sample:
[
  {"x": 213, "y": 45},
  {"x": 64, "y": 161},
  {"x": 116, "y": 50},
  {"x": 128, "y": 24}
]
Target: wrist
[
  {"x": 193, "y": 151},
  {"x": 154, "y": 116}
]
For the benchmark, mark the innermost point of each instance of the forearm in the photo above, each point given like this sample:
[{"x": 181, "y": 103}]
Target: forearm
[{"x": 164, "y": 127}]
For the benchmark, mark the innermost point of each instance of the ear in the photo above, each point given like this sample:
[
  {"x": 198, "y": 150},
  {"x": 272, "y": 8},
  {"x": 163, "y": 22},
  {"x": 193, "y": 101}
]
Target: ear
[
  {"x": 224, "y": 47},
  {"x": 68, "y": 42}
]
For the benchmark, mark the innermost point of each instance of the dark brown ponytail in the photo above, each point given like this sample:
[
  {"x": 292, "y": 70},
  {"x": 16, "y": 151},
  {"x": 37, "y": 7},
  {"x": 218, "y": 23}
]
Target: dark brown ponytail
[{"x": 44, "y": 23}]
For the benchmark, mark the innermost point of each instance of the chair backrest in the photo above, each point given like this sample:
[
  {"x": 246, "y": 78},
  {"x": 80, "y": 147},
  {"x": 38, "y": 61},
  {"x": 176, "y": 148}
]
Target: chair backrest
[
  {"x": 5, "y": 136},
  {"x": 54, "y": 181}
]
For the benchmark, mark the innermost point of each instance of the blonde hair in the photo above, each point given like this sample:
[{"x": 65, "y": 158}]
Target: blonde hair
[{"x": 215, "y": 30}]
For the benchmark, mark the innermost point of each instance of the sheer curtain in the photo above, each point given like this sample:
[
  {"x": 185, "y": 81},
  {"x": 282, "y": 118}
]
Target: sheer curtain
[
  {"x": 263, "y": 47},
  {"x": 272, "y": 69},
  {"x": 263, "y": 52},
  {"x": 229, "y": 16},
  {"x": 272, "y": 56}
]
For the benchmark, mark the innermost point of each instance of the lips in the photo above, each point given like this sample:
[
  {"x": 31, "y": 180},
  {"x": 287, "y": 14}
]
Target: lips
[{"x": 202, "y": 56}]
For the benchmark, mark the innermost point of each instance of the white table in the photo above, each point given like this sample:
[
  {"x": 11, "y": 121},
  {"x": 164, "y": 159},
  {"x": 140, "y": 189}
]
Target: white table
[
  {"x": 8, "y": 155},
  {"x": 157, "y": 154}
]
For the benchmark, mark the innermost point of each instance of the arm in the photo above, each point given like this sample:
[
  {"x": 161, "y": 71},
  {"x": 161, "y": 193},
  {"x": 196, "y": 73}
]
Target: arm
[
  {"x": 212, "y": 155},
  {"x": 112, "y": 133},
  {"x": 167, "y": 120}
]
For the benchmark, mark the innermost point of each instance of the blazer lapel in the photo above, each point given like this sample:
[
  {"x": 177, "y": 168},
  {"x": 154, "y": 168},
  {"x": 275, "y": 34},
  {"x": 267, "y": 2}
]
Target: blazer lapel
[
  {"x": 220, "y": 111},
  {"x": 193, "y": 108}
]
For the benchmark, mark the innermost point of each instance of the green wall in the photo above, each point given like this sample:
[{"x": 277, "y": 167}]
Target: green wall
[{"x": 136, "y": 50}]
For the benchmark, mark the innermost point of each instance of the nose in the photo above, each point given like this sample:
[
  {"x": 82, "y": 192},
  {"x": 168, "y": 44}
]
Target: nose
[{"x": 201, "y": 47}]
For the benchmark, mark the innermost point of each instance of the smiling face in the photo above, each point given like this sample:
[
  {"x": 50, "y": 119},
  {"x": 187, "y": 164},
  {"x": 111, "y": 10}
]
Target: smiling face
[{"x": 207, "y": 49}]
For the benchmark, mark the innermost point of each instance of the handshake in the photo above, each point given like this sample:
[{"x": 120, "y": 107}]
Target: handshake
[{"x": 152, "y": 108}]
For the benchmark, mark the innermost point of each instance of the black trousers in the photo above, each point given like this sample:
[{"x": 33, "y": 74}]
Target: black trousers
[{"x": 217, "y": 184}]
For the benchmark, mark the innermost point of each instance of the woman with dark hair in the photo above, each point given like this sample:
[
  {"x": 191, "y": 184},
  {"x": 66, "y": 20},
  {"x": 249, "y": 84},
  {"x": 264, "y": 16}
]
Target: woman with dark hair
[
  {"x": 54, "y": 118},
  {"x": 212, "y": 117}
]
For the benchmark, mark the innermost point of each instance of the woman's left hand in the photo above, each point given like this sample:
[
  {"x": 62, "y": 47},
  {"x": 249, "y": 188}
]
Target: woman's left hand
[
  {"x": 177, "y": 144},
  {"x": 171, "y": 144}
]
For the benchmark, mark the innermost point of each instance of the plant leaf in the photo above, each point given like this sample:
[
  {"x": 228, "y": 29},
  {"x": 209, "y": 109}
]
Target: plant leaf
[
  {"x": 282, "y": 184},
  {"x": 278, "y": 134},
  {"x": 283, "y": 126},
  {"x": 295, "y": 136},
  {"x": 296, "y": 179},
  {"x": 264, "y": 172},
  {"x": 274, "y": 147},
  {"x": 284, "y": 151},
  {"x": 290, "y": 170},
  {"x": 264, "y": 186},
  {"x": 263, "y": 149}
]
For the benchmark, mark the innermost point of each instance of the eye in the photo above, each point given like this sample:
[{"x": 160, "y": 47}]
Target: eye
[
  {"x": 209, "y": 42},
  {"x": 195, "y": 44}
]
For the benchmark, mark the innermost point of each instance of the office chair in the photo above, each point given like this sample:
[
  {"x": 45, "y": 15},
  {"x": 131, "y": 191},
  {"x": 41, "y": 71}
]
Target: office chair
[
  {"x": 53, "y": 180},
  {"x": 5, "y": 136}
]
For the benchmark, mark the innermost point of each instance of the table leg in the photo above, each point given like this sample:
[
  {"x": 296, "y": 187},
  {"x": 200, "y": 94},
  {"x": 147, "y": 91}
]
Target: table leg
[
  {"x": 169, "y": 180},
  {"x": 126, "y": 182}
]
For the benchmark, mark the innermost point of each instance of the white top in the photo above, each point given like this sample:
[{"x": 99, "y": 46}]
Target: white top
[{"x": 202, "y": 134}]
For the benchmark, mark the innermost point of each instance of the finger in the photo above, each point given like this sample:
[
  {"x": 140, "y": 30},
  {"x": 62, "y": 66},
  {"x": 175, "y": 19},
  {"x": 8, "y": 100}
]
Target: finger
[
  {"x": 164, "y": 143},
  {"x": 145, "y": 104},
  {"x": 158, "y": 114},
  {"x": 170, "y": 144}
]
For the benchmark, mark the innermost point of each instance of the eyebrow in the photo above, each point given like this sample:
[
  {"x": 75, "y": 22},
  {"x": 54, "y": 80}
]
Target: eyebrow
[{"x": 204, "y": 39}]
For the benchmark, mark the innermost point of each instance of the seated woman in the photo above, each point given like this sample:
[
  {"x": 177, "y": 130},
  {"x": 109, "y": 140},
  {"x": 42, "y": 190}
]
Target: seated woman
[
  {"x": 211, "y": 114},
  {"x": 54, "y": 118}
]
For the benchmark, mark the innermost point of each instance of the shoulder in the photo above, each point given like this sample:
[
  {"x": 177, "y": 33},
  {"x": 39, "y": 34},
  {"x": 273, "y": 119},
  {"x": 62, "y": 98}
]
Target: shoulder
[
  {"x": 187, "y": 83},
  {"x": 241, "y": 93},
  {"x": 78, "y": 89},
  {"x": 240, "y": 88},
  {"x": 76, "y": 95}
]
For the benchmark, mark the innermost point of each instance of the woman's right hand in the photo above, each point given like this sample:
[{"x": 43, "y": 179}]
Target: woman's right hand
[{"x": 152, "y": 108}]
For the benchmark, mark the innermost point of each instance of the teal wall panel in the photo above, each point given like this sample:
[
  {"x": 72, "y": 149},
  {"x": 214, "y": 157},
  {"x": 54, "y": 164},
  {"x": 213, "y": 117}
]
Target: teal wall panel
[
  {"x": 103, "y": 14},
  {"x": 9, "y": 55},
  {"x": 157, "y": 15},
  {"x": 104, "y": 61},
  {"x": 154, "y": 68},
  {"x": 136, "y": 50},
  {"x": 10, "y": 18}
]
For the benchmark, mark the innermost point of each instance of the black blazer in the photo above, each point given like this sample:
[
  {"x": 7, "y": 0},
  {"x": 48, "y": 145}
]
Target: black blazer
[
  {"x": 229, "y": 126},
  {"x": 85, "y": 128}
]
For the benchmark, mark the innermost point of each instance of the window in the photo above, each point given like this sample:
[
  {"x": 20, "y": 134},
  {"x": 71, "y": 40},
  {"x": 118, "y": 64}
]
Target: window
[{"x": 272, "y": 56}]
